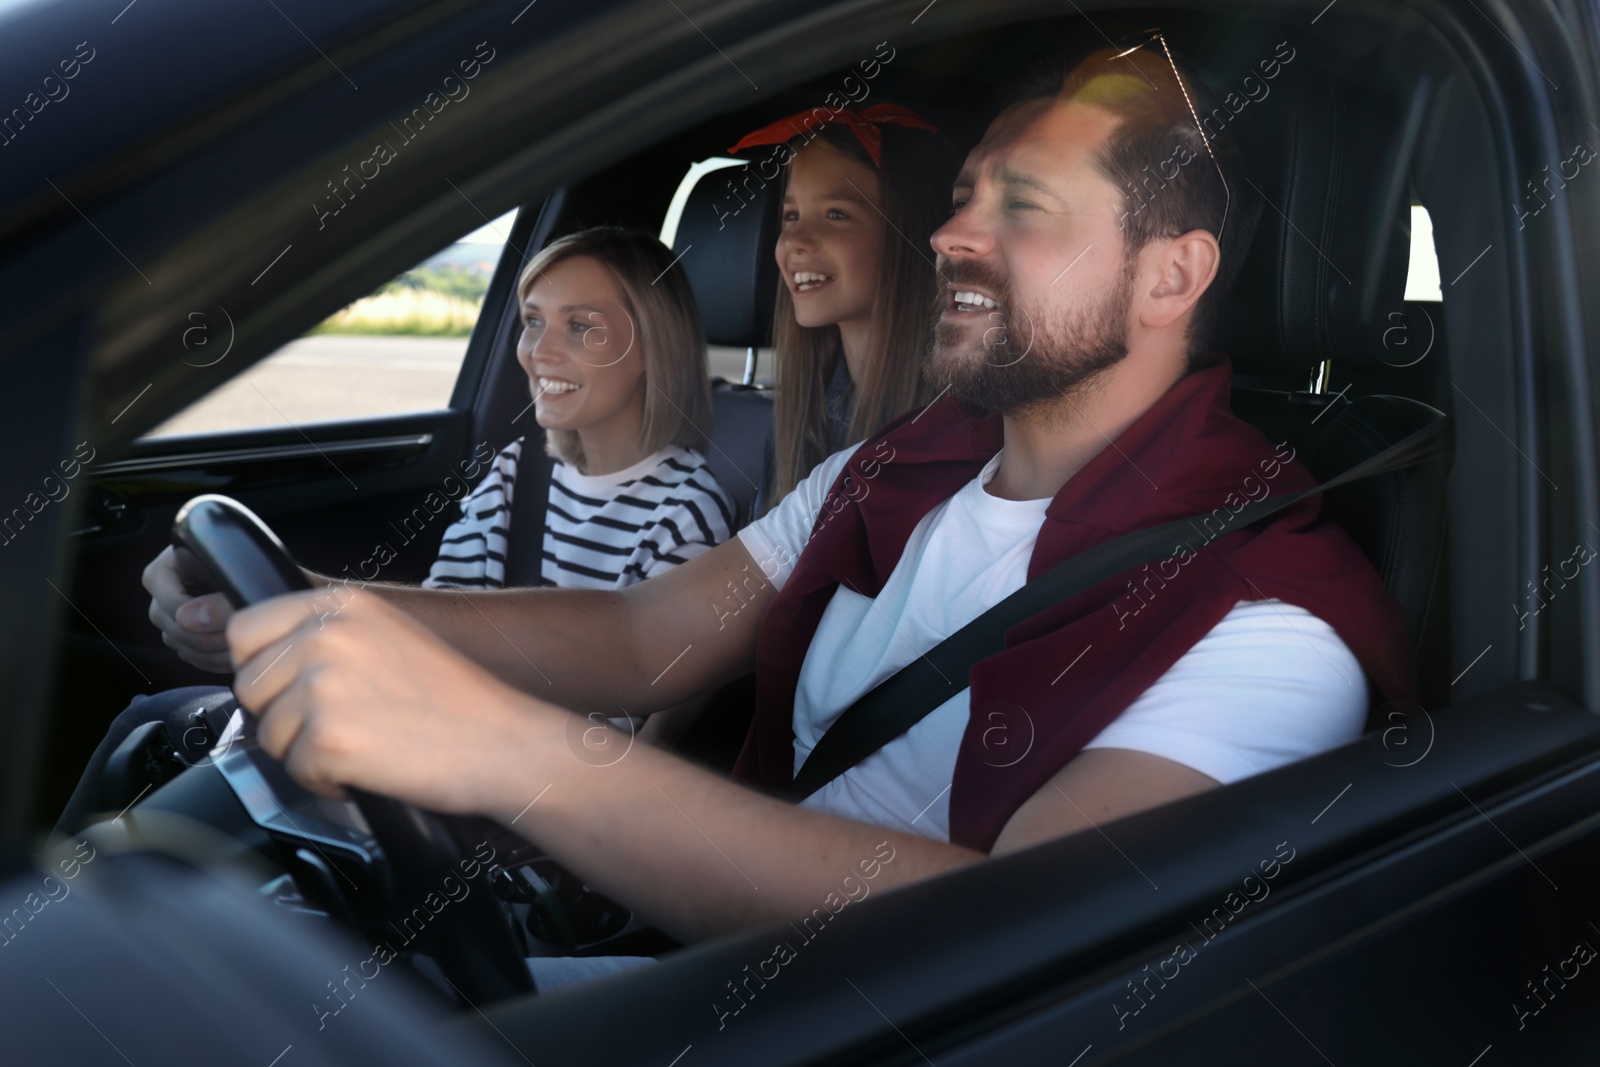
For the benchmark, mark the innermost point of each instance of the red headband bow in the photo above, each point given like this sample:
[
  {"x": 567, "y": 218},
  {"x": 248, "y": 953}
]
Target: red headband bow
[{"x": 864, "y": 124}]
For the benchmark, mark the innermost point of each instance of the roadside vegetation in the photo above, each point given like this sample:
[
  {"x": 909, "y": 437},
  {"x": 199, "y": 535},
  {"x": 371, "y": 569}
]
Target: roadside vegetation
[{"x": 431, "y": 301}]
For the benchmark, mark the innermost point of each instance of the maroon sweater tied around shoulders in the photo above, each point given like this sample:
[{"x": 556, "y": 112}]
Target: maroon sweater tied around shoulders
[{"x": 1187, "y": 455}]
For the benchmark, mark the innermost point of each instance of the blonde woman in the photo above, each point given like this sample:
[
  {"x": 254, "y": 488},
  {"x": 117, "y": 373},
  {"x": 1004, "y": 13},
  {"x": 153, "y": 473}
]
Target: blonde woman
[{"x": 616, "y": 362}]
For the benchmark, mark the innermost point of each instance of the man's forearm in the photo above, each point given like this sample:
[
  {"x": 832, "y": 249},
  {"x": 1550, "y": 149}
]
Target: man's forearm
[
  {"x": 629, "y": 651},
  {"x": 568, "y": 646},
  {"x": 696, "y": 854}
]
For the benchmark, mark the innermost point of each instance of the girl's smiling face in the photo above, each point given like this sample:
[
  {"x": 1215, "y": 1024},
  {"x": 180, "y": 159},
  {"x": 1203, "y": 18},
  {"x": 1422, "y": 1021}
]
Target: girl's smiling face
[
  {"x": 580, "y": 350},
  {"x": 830, "y": 245}
]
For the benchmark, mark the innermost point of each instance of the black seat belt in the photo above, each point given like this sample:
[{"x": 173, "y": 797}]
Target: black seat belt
[
  {"x": 903, "y": 699},
  {"x": 529, "y": 499}
]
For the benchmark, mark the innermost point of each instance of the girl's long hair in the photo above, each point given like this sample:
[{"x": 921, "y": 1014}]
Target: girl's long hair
[
  {"x": 918, "y": 170},
  {"x": 668, "y": 333}
]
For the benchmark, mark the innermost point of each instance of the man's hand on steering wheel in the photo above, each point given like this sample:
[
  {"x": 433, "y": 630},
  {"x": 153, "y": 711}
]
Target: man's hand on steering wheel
[
  {"x": 190, "y": 625},
  {"x": 351, "y": 691}
]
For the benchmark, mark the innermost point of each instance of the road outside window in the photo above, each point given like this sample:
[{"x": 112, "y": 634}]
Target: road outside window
[{"x": 395, "y": 351}]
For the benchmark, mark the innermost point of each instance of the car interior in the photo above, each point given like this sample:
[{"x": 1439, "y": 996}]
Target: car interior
[
  {"x": 1366, "y": 120},
  {"x": 1301, "y": 334}
]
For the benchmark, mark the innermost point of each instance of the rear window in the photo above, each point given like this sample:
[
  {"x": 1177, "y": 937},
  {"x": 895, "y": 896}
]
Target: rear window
[{"x": 1422, "y": 279}]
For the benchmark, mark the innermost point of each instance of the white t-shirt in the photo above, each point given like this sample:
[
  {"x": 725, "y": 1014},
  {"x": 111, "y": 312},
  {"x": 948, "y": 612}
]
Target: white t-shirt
[{"x": 1269, "y": 684}]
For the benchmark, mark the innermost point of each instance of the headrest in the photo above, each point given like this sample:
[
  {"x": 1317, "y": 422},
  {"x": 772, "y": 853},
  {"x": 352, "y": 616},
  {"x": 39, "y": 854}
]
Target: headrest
[
  {"x": 730, "y": 223},
  {"x": 1334, "y": 232}
]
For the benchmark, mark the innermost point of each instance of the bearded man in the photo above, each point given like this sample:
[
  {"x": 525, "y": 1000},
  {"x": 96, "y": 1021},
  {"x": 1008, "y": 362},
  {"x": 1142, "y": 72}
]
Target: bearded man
[{"x": 1078, "y": 405}]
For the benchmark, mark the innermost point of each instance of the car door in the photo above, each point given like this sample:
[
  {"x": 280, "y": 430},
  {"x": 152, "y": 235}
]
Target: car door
[{"x": 355, "y": 443}]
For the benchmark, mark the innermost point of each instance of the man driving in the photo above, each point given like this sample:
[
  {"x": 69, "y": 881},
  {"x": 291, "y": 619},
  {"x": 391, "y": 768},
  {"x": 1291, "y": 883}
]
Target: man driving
[{"x": 1095, "y": 231}]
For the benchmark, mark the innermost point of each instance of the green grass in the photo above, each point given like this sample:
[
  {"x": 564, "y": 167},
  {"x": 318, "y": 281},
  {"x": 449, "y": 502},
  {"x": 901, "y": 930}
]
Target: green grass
[
  {"x": 450, "y": 279},
  {"x": 434, "y": 302}
]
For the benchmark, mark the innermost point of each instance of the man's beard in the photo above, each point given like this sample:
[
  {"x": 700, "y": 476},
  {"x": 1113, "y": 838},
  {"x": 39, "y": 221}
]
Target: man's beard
[{"x": 1014, "y": 360}]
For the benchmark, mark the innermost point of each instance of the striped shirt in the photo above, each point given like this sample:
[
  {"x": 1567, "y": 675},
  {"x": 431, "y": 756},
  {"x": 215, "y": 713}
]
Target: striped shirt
[{"x": 602, "y": 531}]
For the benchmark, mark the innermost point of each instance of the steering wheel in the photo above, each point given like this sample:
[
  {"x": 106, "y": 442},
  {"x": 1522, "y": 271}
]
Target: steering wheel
[{"x": 221, "y": 543}]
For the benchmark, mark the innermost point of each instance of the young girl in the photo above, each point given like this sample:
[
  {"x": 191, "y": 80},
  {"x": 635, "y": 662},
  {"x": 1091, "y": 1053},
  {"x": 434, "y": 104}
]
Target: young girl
[
  {"x": 862, "y": 194},
  {"x": 616, "y": 363}
]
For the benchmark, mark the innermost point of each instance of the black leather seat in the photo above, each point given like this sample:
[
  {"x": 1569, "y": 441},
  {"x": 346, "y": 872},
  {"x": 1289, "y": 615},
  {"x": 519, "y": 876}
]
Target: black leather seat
[
  {"x": 726, "y": 250},
  {"x": 1321, "y": 285}
]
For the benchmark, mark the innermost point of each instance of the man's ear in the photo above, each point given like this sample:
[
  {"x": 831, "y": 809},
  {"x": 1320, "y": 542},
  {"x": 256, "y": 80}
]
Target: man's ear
[{"x": 1184, "y": 268}]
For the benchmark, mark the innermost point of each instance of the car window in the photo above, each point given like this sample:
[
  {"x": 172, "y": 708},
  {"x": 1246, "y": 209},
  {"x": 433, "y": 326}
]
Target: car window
[
  {"x": 394, "y": 351},
  {"x": 1422, "y": 279}
]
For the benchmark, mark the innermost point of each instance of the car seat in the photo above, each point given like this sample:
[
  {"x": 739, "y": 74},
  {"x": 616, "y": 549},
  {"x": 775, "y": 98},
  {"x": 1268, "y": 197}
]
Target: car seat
[
  {"x": 1306, "y": 324},
  {"x": 725, "y": 243}
]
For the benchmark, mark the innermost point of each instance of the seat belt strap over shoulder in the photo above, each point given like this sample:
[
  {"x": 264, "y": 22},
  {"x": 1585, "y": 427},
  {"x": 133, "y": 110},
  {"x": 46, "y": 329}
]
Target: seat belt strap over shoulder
[
  {"x": 906, "y": 697},
  {"x": 529, "y": 500}
]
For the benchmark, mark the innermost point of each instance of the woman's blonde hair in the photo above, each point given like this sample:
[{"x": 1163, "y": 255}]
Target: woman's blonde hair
[
  {"x": 918, "y": 170},
  {"x": 666, "y": 330}
]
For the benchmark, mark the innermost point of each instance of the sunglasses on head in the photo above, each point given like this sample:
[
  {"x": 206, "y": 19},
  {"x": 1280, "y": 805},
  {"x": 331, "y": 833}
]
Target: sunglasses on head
[{"x": 1144, "y": 39}]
